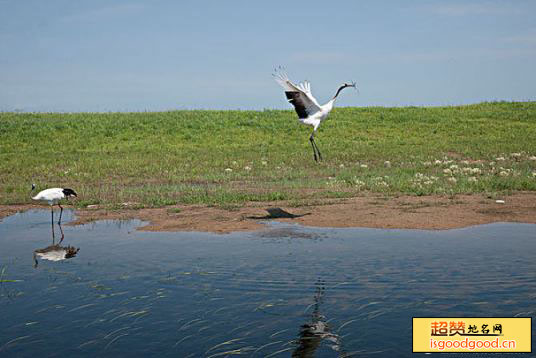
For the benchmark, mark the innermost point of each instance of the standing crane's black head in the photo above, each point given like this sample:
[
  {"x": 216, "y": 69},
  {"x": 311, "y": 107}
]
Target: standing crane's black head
[{"x": 68, "y": 192}]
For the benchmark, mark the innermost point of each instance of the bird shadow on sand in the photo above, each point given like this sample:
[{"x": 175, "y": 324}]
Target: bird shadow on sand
[{"x": 277, "y": 213}]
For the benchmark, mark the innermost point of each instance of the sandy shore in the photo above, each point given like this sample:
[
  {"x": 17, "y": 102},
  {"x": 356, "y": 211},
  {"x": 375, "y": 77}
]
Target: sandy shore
[{"x": 403, "y": 212}]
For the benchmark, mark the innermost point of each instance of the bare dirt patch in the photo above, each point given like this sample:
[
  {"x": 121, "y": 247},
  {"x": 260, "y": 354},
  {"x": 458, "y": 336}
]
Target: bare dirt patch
[{"x": 402, "y": 212}]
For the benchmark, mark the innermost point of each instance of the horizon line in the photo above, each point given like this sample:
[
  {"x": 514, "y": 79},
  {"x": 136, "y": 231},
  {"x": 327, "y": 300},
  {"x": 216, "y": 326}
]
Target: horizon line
[{"x": 22, "y": 111}]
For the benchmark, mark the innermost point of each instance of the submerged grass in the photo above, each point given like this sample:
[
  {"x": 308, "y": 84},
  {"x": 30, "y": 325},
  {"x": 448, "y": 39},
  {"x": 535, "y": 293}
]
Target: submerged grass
[{"x": 226, "y": 158}]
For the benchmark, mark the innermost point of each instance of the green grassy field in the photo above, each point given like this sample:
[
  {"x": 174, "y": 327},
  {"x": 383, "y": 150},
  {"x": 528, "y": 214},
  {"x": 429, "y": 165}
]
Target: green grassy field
[{"x": 226, "y": 158}]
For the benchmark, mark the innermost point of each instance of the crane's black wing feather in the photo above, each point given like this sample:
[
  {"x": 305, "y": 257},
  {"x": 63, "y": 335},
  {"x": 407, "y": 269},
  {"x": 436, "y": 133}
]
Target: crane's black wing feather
[
  {"x": 299, "y": 95},
  {"x": 296, "y": 99}
]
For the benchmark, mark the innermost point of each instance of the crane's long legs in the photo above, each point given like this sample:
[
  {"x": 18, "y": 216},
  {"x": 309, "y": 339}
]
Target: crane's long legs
[
  {"x": 62, "y": 235},
  {"x": 318, "y": 150},
  {"x": 315, "y": 147},
  {"x": 52, "y": 223},
  {"x": 61, "y": 212}
]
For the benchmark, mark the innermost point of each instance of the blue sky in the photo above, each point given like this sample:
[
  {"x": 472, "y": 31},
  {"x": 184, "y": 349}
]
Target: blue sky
[{"x": 158, "y": 55}]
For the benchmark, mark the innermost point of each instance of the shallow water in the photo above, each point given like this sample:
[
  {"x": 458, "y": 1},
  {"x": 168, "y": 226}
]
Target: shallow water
[{"x": 261, "y": 294}]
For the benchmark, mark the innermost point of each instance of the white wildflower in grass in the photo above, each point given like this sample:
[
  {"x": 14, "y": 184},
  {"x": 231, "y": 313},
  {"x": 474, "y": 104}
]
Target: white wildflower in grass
[
  {"x": 447, "y": 171},
  {"x": 452, "y": 180},
  {"x": 532, "y": 157},
  {"x": 504, "y": 172},
  {"x": 379, "y": 181},
  {"x": 515, "y": 155},
  {"x": 421, "y": 179},
  {"x": 472, "y": 179},
  {"x": 534, "y": 174},
  {"x": 234, "y": 162},
  {"x": 364, "y": 166},
  {"x": 248, "y": 168},
  {"x": 492, "y": 163},
  {"x": 437, "y": 161},
  {"x": 466, "y": 162},
  {"x": 358, "y": 183},
  {"x": 332, "y": 181},
  {"x": 387, "y": 164},
  {"x": 228, "y": 170},
  {"x": 426, "y": 164},
  {"x": 264, "y": 162},
  {"x": 341, "y": 166},
  {"x": 473, "y": 171},
  {"x": 453, "y": 167},
  {"x": 499, "y": 159}
]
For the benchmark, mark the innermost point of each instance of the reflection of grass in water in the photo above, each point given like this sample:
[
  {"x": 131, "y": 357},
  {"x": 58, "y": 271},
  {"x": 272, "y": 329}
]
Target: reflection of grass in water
[
  {"x": 2, "y": 273},
  {"x": 99, "y": 287},
  {"x": 9, "y": 293},
  {"x": 13, "y": 342}
]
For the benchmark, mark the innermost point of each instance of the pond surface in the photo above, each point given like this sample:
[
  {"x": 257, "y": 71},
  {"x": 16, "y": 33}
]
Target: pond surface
[{"x": 286, "y": 291}]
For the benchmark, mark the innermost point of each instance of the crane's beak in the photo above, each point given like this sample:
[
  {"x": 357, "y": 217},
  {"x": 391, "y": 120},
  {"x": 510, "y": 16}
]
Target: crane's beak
[{"x": 354, "y": 85}]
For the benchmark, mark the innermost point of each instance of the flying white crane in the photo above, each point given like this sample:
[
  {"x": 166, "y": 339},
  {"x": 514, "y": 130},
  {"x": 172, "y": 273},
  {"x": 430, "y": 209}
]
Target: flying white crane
[
  {"x": 53, "y": 197},
  {"x": 309, "y": 111}
]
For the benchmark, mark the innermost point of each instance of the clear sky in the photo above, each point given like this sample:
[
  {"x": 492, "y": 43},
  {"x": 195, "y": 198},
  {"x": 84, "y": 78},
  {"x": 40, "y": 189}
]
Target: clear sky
[{"x": 65, "y": 55}]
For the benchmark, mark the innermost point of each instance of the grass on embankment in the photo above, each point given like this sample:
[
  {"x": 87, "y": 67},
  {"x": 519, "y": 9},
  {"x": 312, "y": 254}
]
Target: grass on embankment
[{"x": 229, "y": 157}]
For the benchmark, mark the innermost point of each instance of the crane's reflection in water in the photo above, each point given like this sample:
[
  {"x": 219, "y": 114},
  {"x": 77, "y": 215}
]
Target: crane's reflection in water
[
  {"x": 317, "y": 330},
  {"x": 55, "y": 252}
]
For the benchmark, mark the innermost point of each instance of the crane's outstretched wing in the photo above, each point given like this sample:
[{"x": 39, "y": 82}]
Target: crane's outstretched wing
[{"x": 299, "y": 95}]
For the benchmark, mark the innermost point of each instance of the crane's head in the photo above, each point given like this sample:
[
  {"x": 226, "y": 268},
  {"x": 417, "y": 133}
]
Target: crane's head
[
  {"x": 351, "y": 84},
  {"x": 33, "y": 187},
  {"x": 69, "y": 192},
  {"x": 71, "y": 251}
]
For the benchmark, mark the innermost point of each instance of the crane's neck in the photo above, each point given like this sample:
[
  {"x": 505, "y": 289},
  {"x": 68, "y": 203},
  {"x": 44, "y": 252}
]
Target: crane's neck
[
  {"x": 339, "y": 91},
  {"x": 31, "y": 191},
  {"x": 328, "y": 106}
]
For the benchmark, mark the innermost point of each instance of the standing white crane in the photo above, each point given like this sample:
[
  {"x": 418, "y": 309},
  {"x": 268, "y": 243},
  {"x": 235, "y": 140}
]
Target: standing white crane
[
  {"x": 309, "y": 111},
  {"x": 53, "y": 197}
]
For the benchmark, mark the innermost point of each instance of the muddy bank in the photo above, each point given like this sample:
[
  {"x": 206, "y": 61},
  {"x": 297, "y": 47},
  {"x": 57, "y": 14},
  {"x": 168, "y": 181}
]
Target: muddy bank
[{"x": 402, "y": 212}]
